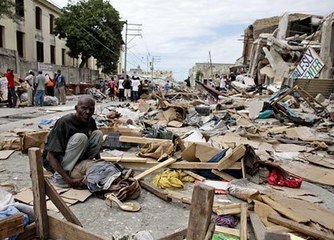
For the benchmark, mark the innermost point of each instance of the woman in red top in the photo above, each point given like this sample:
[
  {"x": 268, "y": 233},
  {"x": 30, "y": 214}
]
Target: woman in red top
[
  {"x": 112, "y": 88},
  {"x": 12, "y": 98}
]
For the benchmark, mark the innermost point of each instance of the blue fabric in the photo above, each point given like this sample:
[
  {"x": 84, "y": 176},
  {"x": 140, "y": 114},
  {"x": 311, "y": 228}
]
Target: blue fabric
[{"x": 10, "y": 211}]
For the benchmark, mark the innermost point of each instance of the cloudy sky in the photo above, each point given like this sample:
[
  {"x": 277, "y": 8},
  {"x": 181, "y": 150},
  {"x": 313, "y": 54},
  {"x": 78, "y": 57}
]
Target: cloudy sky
[{"x": 180, "y": 33}]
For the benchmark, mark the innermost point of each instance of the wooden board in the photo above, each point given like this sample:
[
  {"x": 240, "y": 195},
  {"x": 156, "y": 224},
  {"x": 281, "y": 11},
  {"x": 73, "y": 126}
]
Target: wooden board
[
  {"x": 178, "y": 165},
  {"x": 11, "y": 226},
  {"x": 59, "y": 229},
  {"x": 229, "y": 231},
  {"x": 258, "y": 227},
  {"x": 223, "y": 175},
  {"x": 243, "y": 222},
  {"x": 229, "y": 159},
  {"x": 201, "y": 205},
  {"x": 60, "y": 203},
  {"x": 155, "y": 168},
  {"x": 299, "y": 227},
  {"x": 141, "y": 140},
  {"x": 316, "y": 213},
  {"x": 38, "y": 189},
  {"x": 285, "y": 210},
  {"x": 155, "y": 190}
]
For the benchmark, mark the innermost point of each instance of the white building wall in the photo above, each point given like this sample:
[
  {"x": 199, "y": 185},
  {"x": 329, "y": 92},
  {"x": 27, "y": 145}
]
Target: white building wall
[{"x": 32, "y": 35}]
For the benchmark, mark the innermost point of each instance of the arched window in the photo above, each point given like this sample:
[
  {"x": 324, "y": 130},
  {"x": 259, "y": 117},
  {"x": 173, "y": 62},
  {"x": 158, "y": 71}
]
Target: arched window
[{"x": 38, "y": 13}]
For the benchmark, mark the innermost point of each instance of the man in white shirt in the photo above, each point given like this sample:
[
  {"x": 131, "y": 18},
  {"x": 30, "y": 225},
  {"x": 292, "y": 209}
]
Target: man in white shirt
[
  {"x": 120, "y": 89},
  {"x": 135, "y": 83}
]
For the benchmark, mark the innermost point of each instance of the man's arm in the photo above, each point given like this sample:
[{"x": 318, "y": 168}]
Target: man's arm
[{"x": 55, "y": 164}]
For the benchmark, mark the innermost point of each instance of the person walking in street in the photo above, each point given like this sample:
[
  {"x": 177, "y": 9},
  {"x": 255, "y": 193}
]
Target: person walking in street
[
  {"x": 73, "y": 138},
  {"x": 166, "y": 87},
  {"x": 50, "y": 84},
  {"x": 127, "y": 88},
  {"x": 120, "y": 89},
  {"x": 40, "y": 89},
  {"x": 12, "y": 97},
  {"x": 60, "y": 88},
  {"x": 30, "y": 79},
  {"x": 135, "y": 88},
  {"x": 112, "y": 88}
]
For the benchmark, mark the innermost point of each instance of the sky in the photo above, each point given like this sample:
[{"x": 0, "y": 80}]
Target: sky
[{"x": 180, "y": 33}]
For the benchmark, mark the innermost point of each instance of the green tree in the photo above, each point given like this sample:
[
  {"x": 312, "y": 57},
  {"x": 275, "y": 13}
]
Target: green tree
[
  {"x": 92, "y": 28},
  {"x": 7, "y": 8}
]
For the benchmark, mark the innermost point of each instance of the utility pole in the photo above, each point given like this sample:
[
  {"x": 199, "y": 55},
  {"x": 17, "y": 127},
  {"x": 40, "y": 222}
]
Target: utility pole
[
  {"x": 156, "y": 58},
  {"x": 134, "y": 32},
  {"x": 211, "y": 66}
]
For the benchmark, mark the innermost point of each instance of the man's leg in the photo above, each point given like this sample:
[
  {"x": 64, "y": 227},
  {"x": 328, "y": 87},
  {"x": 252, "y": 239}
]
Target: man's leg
[
  {"x": 74, "y": 150},
  {"x": 10, "y": 97},
  {"x": 93, "y": 145},
  {"x": 62, "y": 94}
]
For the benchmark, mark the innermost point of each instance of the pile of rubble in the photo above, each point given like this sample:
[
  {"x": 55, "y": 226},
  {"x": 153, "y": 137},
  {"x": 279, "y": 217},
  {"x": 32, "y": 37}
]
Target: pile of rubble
[{"x": 259, "y": 150}]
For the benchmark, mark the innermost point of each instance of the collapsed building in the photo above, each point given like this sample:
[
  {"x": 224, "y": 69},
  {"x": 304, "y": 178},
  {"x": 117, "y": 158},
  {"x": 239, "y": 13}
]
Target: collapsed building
[{"x": 273, "y": 48}]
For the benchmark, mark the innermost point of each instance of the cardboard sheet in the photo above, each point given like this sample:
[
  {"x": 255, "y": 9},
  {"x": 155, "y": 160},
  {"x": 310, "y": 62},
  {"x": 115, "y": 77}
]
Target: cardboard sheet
[
  {"x": 310, "y": 172},
  {"x": 202, "y": 152},
  {"x": 80, "y": 195},
  {"x": 4, "y": 154}
]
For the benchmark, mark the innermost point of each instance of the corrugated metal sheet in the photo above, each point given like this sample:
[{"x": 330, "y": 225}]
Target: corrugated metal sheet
[{"x": 315, "y": 86}]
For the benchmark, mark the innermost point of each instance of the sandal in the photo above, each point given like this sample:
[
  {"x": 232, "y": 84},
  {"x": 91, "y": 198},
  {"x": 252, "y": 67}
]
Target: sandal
[{"x": 126, "y": 206}]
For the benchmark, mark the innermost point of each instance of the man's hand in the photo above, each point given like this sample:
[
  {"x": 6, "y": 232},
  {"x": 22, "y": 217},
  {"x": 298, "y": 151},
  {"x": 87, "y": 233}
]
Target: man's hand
[{"x": 76, "y": 182}]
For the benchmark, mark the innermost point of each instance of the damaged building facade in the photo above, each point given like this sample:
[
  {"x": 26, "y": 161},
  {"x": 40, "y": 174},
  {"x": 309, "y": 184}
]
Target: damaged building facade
[
  {"x": 31, "y": 44},
  {"x": 273, "y": 48}
]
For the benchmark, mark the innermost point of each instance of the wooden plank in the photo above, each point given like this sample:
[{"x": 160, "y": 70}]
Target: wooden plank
[
  {"x": 141, "y": 140},
  {"x": 179, "y": 235},
  {"x": 243, "y": 222},
  {"x": 155, "y": 190},
  {"x": 38, "y": 189},
  {"x": 178, "y": 165},
  {"x": 299, "y": 227},
  {"x": 155, "y": 168},
  {"x": 210, "y": 231},
  {"x": 201, "y": 205},
  {"x": 276, "y": 236},
  {"x": 223, "y": 175},
  {"x": 59, "y": 229},
  {"x": 11, "y": 226},
  {"x": 229, "y": 231},
  {"x": 125, "y": 159},
  {"x": 243, "y": 170},
  {"x": 236, "y": 154},
  {"x": 29, "y": 233},
  {"x": 258, "y": 227},
  {"x": 194, "y": 175},
  {"x": 60, "y": 203},
  {"x": 284, "y": 210}
]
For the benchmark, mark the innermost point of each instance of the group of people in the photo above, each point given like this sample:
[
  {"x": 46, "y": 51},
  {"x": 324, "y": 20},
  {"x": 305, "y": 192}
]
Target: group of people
[
  {"x": 129, "y": 89},
  {"x": 34, "y": 88}
]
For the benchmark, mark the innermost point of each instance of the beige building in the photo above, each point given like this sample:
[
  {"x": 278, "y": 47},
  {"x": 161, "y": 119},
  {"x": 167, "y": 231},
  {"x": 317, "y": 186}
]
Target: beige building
[
  {"x": 32, "y": 37},
  {"x": 209, "y": 71}
]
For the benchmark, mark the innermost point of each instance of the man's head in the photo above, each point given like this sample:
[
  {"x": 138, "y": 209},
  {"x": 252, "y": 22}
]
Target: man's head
[
  {"x": 85, "y": 108},
  {"x": 58, "y": 71}
]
